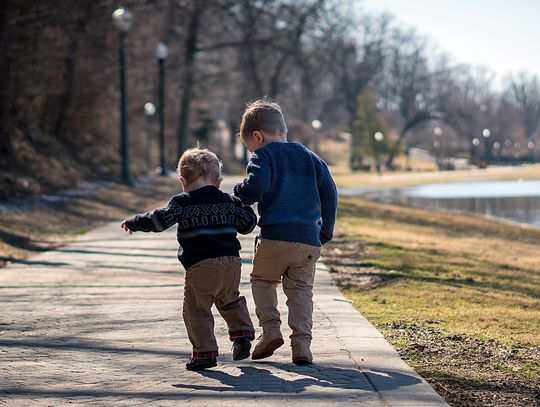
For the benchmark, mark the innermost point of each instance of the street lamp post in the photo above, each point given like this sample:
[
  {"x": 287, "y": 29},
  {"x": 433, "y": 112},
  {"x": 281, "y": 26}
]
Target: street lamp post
[
  {"x": 487, "y": 147},
  {"x": 474, "y": 143},
  {"x": 497, "y": 150},
  {"x": 161, "y": 55},
  {"x": 149, "y": 112},
  {"x": 317, "y": 125},
  {"x": 530, "y": 146},
  {"x": 437, "y": 145},
  {"x": 122, "y": 20},
  {"x": 508, "y": 148},
  {"x": 379, "y": 137}
]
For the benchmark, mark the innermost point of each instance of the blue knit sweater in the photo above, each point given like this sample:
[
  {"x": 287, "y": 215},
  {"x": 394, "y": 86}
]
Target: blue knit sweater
[{"x": 296, "y": 195}]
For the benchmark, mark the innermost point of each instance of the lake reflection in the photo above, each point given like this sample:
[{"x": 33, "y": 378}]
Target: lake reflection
[{"x": 518, "y": 201}]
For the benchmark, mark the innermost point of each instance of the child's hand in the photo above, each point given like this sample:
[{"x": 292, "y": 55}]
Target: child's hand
[{"x": 124, "y": 226}]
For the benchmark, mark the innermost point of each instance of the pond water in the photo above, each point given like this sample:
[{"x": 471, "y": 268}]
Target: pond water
[{"x": 517, "y": 201}]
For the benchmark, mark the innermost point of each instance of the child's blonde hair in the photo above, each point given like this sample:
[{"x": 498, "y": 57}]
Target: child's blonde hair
[
  {"x": 263, "y": 115},
  {"x": 197, "y": 162}
]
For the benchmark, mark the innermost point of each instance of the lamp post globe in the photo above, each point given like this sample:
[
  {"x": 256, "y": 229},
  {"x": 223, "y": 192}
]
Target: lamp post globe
[
  {"x": 149, "y": 109},
  {"x": 162, "y": 52},
  {"x": 122, "y": 20}
]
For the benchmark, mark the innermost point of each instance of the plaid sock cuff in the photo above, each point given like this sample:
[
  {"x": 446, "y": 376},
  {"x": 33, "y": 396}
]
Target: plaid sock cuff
[
  {"x": 241, "y": 334},
  {"x": 205, "y": 355}
]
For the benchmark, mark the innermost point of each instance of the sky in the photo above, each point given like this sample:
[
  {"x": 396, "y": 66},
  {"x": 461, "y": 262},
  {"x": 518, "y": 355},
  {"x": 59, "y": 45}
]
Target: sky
[{"x": 502, "y": 35}]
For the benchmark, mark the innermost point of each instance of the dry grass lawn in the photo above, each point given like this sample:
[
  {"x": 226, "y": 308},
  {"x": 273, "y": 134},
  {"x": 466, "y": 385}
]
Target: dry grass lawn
[{"x": 458, "y": 295}]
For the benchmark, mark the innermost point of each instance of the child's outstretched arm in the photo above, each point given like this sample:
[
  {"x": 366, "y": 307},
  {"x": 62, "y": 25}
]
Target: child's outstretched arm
[
  {"x": 155, "y": 221},
  {"x": 253, "y": 187}
]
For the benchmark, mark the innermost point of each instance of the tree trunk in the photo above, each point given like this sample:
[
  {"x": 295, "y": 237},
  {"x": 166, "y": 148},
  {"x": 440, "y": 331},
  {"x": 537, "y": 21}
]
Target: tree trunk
[
  {"x": 4, "y": 74},
  {"x": 69, "y": 69},
  {"x": 67, "y": 94},
  {"x": 187, "y": 82},
  {"x": 394, "y": 151}
]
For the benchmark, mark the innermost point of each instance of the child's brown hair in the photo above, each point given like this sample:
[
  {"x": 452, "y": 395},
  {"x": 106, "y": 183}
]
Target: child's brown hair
[
  {"x": 197, "y": 162},
  {"x": 263, "y": 115}
]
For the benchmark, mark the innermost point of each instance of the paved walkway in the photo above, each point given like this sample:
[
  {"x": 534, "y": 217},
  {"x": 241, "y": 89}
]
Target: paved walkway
[{"x": 98, "y": 322}]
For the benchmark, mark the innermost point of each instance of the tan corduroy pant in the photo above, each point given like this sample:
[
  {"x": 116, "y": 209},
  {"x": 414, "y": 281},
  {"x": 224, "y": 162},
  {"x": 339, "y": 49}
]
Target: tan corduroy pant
[
  {"x": 292, "y": 264},
  {"x": 208, "y": 282}
]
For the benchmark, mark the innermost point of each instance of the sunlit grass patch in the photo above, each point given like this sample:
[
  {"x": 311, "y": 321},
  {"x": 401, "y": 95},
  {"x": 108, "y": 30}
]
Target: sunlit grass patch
[{"x": 475, "y": 276}]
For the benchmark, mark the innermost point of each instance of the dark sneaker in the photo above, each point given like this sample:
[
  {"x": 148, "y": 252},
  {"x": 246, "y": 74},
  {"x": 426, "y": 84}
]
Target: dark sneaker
[
  {"x": 200, "y": 364},
  {"x": 241, "y": 347}
]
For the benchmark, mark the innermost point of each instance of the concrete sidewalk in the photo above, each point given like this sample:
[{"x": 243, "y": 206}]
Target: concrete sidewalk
[{"x": 99, "y": 322}]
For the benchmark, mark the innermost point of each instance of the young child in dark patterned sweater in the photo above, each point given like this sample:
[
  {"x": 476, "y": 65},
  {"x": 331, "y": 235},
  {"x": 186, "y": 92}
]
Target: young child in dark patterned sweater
[{"x": 208, "y": 220}]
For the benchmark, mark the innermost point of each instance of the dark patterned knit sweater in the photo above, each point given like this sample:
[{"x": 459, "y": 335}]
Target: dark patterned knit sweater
[{"x": 207, "y": 219}]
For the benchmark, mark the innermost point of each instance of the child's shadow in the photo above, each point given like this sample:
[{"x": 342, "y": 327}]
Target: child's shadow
[{"x": 258, "y": 379}]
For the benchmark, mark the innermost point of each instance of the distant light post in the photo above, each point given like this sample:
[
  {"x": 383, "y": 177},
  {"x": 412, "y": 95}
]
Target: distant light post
[
  {"x": 497, "y": 149},
  {"x": 161, "y": 55},
  {"x": 507, "y": 148},
  {"x": 379, "y": 137},
  {"x": 474, "y": 143},
  {"x": 122, "y": 20},
  {"x": 317, "y": 126},
  {"x": 149, "y": 112},
  {"x": 437, "y": 131},
  {"x": 530, "y": 146},
  {"x": 487, "y": 148}
]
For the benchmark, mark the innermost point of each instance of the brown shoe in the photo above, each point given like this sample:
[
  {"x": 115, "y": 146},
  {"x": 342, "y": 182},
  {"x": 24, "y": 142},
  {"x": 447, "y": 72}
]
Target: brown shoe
[
  {"x": 301, "y": 354},
  {"x": 266, "y": 346}
]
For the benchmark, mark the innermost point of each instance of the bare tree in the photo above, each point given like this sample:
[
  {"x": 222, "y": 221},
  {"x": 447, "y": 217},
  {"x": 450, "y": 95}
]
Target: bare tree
[
  {"x": 271, "y": 38},
  {"x": 469, "y": 102},
  {"x": 77, "y": 24},
  {"x": 523, "y": 93},
  {"x": 194, "y": 20},
  {"x": 407, "y": 87},
  {"x": 357, "y": 57},
  {"x": 4, "y": 74}
]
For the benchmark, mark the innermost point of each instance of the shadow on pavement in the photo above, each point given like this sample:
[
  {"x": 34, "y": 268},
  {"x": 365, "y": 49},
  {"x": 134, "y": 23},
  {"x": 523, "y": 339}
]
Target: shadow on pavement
[
  {"x": 113, "y": 253},
  {"x": 73, "y": 344},
  {"x": 259, "y": 379},
  {"x": 33, "y": 263}
]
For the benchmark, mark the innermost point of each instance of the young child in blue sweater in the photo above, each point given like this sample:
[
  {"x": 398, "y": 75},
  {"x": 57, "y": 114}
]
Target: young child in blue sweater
[{"x": 297, "y": 202}]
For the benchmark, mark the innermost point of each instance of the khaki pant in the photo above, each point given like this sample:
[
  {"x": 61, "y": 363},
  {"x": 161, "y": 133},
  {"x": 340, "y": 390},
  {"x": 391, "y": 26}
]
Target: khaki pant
[
  {"x": 293, "y": 264},
  {"x": 208, "y": 282}
]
